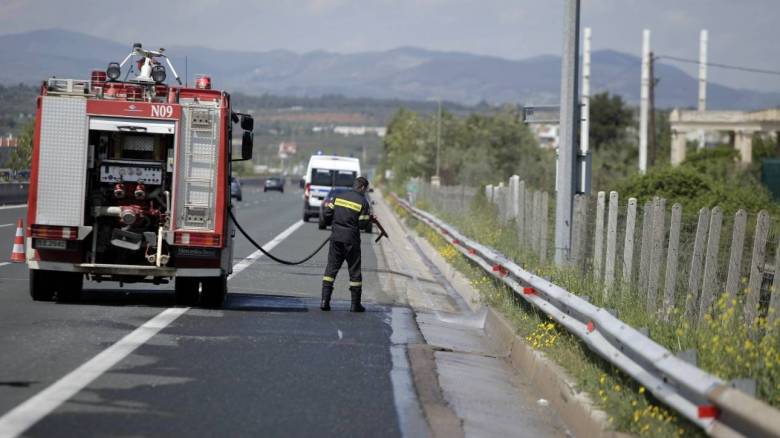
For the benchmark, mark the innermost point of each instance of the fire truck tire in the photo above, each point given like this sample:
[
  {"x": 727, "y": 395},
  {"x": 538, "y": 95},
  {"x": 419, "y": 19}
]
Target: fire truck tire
[
  {"x": 70, "y": 286},
  {"x": 40, "y": 288},
  {"x": 186, "y": 289},
  {"x": 214, "y": 291}
]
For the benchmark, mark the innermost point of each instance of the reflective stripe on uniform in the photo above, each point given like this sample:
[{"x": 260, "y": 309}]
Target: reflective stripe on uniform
[
  {"x": 328, "y": 279},
  {"x": 356, "y": 283},
  {"x": 364, "y": 217},
  {"x": 348, "y": 204}
]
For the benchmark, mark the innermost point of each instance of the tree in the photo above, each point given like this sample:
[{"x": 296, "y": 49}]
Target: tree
[
  {"x": 21, "y": 157},
  {"x": 475, "y": 150},
  {"x": 609, "y": 119}
]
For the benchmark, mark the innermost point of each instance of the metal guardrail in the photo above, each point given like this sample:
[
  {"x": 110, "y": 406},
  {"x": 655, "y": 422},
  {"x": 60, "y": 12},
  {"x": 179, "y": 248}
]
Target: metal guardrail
[{"x": 700, "y": 397}]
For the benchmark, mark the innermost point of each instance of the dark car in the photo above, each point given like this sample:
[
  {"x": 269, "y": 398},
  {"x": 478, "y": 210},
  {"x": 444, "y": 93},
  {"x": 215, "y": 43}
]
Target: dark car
[
  {"x": 274, "y": 183},
  {"x": 329, "y": 198},
  {"x": 235, "y": 188}
]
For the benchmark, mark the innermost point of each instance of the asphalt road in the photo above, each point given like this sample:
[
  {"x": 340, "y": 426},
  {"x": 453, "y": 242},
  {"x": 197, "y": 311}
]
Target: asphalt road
[{"x": 269, "y": 364}]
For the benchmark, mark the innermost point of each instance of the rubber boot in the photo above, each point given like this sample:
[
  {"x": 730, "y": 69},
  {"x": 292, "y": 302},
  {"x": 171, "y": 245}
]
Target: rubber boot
[
  {"x": 327, "y": 291},
  {"x": 356, "y": 306}
]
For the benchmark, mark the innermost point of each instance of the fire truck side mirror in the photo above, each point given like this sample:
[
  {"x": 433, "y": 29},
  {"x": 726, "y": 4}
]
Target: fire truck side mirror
[
  {"x": 247, "y": 123},
  {"x": 247, "y": 143}
]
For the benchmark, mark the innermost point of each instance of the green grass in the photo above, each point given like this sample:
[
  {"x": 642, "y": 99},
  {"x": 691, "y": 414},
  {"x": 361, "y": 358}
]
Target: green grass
[{"x": 726, "y": 347}]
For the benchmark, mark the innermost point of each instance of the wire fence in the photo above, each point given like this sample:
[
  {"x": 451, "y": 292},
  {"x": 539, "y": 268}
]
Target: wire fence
[{"x": 685, "y": 276}]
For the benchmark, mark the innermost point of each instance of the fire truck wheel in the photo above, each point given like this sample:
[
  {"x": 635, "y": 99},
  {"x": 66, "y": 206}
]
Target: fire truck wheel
[
  {"x": 70, "y": 286},
  {"x": 214, "y": 291},
  {"x": 186, "y": 291},
  {"x": 40, "y": 289}
]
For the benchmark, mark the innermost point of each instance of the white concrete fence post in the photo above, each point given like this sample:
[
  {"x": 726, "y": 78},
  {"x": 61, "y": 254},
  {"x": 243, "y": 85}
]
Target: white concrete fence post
[
  {"x": 514, "y": 196},
  {"x": 598, "y": 242},
  {"x": 609, "y": 261},
  {"x": 628, "y": 242}
]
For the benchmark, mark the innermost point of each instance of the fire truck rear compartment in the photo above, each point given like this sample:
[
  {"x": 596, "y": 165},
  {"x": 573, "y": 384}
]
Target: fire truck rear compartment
[{"x": 129, "y": 180}]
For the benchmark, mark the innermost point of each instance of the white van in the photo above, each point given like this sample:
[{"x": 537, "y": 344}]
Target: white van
[{"x": 323, "y": 173}]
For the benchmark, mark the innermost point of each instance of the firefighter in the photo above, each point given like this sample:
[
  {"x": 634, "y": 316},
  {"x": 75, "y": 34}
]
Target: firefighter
[{"x": 348, "y": 213}]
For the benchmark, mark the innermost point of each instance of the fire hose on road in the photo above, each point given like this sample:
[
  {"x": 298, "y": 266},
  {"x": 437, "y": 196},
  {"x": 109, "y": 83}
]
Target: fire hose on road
[{"x": 382, "y": 233}]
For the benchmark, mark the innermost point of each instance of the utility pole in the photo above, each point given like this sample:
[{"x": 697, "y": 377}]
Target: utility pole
[
  {"x": 703, "y": 39},
  {"x": 436, "y": 181},
  {"x": 569, "y": 122},
  {"x": 652, "y": 146},
  {"x": 644, "y": 101},
  {"x": 584, "y": 183}
]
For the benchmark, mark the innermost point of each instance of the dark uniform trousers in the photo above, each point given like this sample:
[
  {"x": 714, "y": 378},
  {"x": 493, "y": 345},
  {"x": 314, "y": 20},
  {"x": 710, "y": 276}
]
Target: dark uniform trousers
[{"x": 338, "y": 252}]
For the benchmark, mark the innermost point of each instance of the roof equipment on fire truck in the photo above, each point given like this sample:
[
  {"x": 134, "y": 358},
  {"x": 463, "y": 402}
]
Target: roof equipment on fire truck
[
  {"x": 203, "y": 82},
  {"x": 150, "y": 69}
]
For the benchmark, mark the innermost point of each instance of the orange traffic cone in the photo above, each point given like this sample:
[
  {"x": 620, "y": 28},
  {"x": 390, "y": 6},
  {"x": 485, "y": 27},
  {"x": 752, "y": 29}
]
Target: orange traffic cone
[{"x": 17, "y": 254}]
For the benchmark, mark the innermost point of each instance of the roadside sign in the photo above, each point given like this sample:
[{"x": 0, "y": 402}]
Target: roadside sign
[{"x": 541, "y": 114}]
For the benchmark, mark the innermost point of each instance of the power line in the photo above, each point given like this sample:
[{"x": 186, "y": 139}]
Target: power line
[{"x": 726, "y": 66}]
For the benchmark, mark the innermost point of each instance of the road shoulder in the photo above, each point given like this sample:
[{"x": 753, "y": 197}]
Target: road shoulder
[{"x": 462, "y": 379}]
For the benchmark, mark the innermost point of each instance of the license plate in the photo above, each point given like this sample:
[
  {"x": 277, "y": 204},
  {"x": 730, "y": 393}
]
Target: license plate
[
  {"x": 196, "y": 252},
  {"x": 51, "y": 244}
]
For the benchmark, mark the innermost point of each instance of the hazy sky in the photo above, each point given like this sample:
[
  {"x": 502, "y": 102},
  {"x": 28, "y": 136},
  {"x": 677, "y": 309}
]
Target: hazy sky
[{"x": 741, "y": 31}]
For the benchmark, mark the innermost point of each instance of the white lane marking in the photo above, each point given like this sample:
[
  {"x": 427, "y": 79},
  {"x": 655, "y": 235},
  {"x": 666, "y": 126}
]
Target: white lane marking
[
  {"x": 243, "y": 264},
  {"x": 28, "y": 413},
  {"x": 4, "y": 263},
  {"x": 341, "y": 335},
  {"x": 8, "y": 207},
  {"x": 6, "y": 225},
  {"x": 18, "y": 420}
]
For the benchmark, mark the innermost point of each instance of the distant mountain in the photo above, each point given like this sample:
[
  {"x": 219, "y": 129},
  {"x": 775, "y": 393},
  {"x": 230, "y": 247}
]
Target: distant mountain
[{"x": 403, "y": 73}]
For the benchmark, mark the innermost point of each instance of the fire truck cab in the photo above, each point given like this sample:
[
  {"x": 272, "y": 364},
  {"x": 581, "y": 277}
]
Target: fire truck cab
[{"x": 130, "y": 182}]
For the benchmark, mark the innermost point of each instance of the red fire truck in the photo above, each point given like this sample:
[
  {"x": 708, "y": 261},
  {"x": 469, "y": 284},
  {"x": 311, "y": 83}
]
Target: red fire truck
[{"x": 130, "y": 182}]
